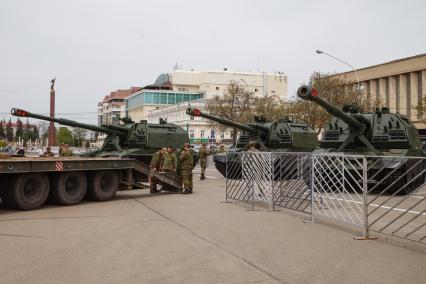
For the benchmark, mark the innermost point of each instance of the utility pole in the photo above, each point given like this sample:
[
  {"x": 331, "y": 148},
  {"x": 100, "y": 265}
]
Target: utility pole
[{"x": 52, "y": 134}]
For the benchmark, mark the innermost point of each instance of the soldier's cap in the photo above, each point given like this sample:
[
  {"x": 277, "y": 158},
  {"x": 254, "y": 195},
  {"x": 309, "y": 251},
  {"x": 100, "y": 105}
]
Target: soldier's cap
[{"x": 186, "y": 145}]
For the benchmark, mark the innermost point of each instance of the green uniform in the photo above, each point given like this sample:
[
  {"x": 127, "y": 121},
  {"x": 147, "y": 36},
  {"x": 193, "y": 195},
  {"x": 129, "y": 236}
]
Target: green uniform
[
  {"x": 169, "y": 163},
  {"x": 203, "y": 161},
  {"x": 155, "y": 165},
  {"x": 66, "y": 153},
  {"x": 186, "y": 165}
]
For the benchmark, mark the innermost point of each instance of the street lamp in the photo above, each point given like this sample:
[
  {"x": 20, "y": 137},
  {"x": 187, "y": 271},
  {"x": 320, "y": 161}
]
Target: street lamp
[{"x": 344, "y": 62}]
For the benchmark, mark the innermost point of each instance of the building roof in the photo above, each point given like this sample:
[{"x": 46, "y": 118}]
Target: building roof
[
  {"x": 388, "y": 62},
  {"x": 121, "y": 94}
]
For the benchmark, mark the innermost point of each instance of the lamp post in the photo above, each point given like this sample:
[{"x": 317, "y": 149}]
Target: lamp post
[{"x": 344, "y": 62}]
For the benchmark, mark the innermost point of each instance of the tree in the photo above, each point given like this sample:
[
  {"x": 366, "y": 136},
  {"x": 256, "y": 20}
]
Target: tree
[
  {"x": 235, "y": 104},
  {"x": 27, "y": 132},
  {"x": 9, "y": 131},
  {"x": 79, "y": 135},
  {"x": 331, "y": 89},
  {"x": 35, "y": 134},
  {"x": 19, "y": 134},
  {"x": 64, "y": 135},
  {"x": 2, "y": 130},
  {"x": 269, "y": 107}
]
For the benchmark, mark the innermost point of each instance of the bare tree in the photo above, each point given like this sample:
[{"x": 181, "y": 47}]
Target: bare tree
[
  {"x": 331, "y": 89},
  {"x": 234, "y": 104}
]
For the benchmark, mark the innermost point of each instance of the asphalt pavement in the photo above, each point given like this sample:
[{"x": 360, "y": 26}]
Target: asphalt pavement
[{"x": 174, "y": 238}]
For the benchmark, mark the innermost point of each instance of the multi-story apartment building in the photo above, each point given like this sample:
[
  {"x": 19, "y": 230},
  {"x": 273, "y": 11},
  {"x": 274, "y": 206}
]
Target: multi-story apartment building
[{"x": 113, "y": 106}]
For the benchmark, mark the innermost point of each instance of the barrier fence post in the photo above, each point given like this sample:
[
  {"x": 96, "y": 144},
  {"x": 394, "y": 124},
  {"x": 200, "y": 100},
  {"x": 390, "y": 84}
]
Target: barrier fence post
[
  {"x": 365, "y": 234},
  {"x": 226, "y": 178},
  {"x": 271, "y": 178},
  {"x": 252, "y": 184},
  {"x": 312, "y": 191}
]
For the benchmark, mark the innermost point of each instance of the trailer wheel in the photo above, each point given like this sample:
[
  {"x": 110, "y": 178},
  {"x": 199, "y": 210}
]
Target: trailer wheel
[
  {"x": 6, "y": 184},
  {"x": 69, "y": 188},
  {"x": 29, "y": 190},
  {"x": 103, "y": 185}
]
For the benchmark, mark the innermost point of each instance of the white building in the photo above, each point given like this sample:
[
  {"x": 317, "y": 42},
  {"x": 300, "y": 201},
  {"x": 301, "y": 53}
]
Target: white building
[
  {"x": 210, "y": 83},
  {"x": 139, "y": 105},
  {"x": 214, "y": 82},
  {"x": 199, "y": 129}
]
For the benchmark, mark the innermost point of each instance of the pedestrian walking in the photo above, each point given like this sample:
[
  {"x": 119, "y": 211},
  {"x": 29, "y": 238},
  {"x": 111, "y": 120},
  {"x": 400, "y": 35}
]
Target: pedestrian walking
[{"x": 203, "y": 153}]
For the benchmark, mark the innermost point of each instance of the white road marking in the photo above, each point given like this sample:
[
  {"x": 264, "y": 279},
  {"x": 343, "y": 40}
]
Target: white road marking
[{"x": 376, "y": 205}]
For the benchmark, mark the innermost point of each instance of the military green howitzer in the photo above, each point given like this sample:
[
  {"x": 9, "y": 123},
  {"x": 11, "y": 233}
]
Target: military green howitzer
[
  {"x": 138, "y": 140},
  {"x": 283, "y": 135},
  {"x": 379, "y": 133}
]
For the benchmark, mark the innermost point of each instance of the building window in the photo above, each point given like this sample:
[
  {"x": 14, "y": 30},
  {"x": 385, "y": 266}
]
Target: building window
[
  {"x": 191, "y": 133},
  {"x": 202, "y": 133},
  {"x": 222, "y": 135},
  {"x": 273, "y": 92},
  {"x": 217, "y": 88},
  {"x": 191, "y": 117},
  {"x": 256, "y": 90}
]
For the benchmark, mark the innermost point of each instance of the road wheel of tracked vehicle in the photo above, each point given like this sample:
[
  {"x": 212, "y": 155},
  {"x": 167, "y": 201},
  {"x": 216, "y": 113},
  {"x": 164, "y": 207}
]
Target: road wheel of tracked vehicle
[
  {"x": 69, "y": 188},
  {"x": 29, "y": 191},
  {"x": 103, "y": 185}
]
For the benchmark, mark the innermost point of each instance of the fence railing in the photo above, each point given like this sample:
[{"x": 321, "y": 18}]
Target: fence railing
[{"x": 372, "y": 193}]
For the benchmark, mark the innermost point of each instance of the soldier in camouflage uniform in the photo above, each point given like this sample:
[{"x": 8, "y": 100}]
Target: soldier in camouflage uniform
[
  {"x": 155, "y": 165},
  {"x": 186, "y": 165},
  {"x": 169, "y": 161},
  {"x": 203, "y": 160}
]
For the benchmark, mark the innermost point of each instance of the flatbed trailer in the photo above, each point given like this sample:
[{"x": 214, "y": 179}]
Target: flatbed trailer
[{"x": 26, "y": 183}]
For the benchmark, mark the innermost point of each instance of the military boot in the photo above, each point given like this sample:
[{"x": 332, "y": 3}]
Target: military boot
[
  {"x": 190, "y": 190},
  {"x": 202, "y": 177}
]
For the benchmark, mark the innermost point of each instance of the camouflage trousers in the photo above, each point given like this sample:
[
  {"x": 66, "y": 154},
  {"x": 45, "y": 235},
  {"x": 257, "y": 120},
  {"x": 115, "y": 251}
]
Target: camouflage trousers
[
  {"x": 203, "y": 165},
  {"x": 187, "y": 179}
]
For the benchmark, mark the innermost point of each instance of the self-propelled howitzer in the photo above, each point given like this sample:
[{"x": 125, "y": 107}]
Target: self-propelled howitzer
[
  {"x": 138, "y": 140},
  {"x": 283, "y": 135},
  {"x": 379, "y": 133}
]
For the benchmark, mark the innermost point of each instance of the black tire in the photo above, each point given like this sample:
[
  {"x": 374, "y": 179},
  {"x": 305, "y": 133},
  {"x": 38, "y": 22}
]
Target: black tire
[
  {"x": 29, "y": 191},
  {"x": 69, "y": 188},
  {"x": 103, "y": 185},
  {"x": 6, "y": 184}
]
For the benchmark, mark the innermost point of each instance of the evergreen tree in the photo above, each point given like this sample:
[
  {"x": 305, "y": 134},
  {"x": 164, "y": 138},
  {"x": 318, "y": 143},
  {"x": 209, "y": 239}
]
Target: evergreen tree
[
  {"x": 35, "y": 134},
  {"x": 19, "y": 134},
  {"x": 27, "y": 132},
  {"x": 9, "y": 131},
  {"x": 2, "y": 130}
]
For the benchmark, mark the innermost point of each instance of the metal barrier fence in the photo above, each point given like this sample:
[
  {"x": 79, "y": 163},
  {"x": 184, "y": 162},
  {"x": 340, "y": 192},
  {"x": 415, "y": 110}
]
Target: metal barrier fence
[{"x": 373, "y": 193}]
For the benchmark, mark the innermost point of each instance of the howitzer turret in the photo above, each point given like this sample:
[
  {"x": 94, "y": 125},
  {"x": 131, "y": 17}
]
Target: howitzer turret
[
  {"x": 138, "y": 140},
  {"x": 283, "y": 135},
  {"x": 380, "y": 133}
]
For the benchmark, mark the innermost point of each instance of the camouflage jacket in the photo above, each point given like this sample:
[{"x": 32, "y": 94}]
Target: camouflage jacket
[
  {"x": 186, "y": 160},
  {"x": 169, "y": 162},
  {"x": 203, "y": 154},
  {"x": 156, "y": 161}
]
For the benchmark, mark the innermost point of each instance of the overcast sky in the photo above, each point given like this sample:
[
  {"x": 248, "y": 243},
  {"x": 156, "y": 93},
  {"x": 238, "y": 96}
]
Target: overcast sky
[{"x": 95, "y": 47}]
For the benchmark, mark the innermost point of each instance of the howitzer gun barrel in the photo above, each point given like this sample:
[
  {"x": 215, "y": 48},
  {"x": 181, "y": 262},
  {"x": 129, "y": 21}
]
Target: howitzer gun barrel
[
  {"x": 62, "y": 121},
  {"x": 310, "y": 94},
  {"x": 196, "y": 112}
]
